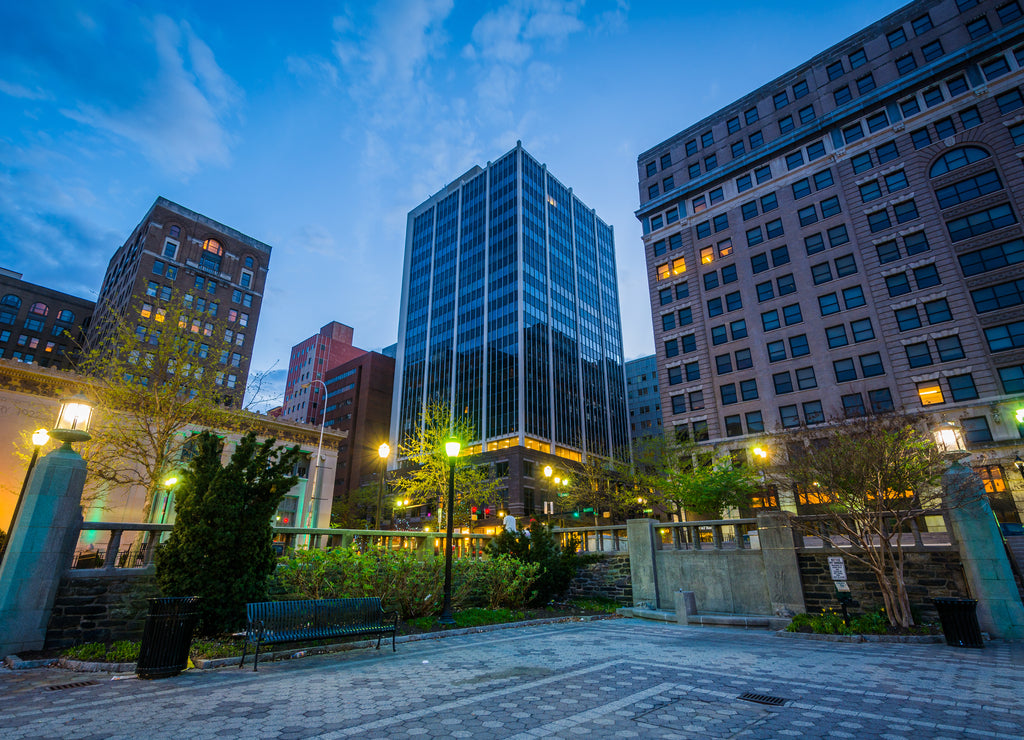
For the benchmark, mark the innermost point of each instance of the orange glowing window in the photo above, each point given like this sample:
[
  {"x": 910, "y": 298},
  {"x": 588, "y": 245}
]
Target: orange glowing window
[
  {"x": 992, "y": 477},
  {"x": 930, "y": 393}
]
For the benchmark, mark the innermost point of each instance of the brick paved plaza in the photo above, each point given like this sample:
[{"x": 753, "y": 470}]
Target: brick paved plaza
[{"x": 612, "y": 678}]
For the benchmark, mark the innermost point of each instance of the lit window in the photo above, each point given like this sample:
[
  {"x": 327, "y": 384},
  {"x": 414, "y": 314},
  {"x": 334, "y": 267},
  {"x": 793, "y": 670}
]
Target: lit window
[{"x": 930, "y": 392}]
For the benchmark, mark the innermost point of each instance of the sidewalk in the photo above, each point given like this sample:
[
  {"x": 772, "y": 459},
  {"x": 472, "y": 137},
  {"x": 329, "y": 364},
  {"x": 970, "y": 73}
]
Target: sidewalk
[{"x": 617, "y": 678}]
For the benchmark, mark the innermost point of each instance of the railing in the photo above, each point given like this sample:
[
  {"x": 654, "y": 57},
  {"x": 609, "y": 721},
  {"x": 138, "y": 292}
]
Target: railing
[
  {"x": 134, "y": 545},
  {"x": 925, "y": 530},
  {"x": 135, "y": 551},
  {"x": 594, "y": 539},
  {"x": 719, "y": 534}
]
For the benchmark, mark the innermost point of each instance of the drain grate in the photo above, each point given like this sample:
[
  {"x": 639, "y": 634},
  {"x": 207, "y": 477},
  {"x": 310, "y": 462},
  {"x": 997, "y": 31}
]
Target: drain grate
[
  {"x": 75, "y": 685},
  {"x": 772, "y": 701}
]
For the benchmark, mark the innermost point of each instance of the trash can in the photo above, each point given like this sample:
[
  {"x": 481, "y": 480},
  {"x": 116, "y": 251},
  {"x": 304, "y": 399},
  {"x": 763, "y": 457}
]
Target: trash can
[
  {"x": 959, "y": 622},
  {"x": 167, "y": 636}
]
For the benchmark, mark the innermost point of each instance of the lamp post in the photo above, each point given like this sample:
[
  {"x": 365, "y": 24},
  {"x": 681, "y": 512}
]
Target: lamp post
[
  {"x": 383, "y": 451},
  {"x": 39, "y": 438},
  {"x": 451, "y": 448},
  {"x": 169, "y": 483},
  {"x": 315, "y": 495}
]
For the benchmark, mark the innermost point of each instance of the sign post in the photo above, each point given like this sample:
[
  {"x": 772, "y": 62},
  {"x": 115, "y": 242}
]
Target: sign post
[{"x": 837, "y": 568}]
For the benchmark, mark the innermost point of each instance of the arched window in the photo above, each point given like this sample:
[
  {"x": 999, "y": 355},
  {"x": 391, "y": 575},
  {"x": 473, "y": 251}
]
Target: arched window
[
  {"x": 212, "y": 252},
  {"x": 956, "y": 158},
  {"x": 249, "y": 262},
  {"x": 175, "y": 232},
  {"x": 39, "y": 309},
  {"x": 66, "y": 316},
  {"x": 11, "y": 300}
]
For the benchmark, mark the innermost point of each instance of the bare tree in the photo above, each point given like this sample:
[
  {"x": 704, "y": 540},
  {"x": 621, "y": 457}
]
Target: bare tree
[
  {"x": 161, "y": 372},
  {"x": 873, "y": 478}
]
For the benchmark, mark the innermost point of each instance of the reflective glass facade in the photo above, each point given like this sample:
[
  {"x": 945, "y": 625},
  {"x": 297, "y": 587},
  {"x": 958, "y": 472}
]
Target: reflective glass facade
[{"x": 510, "y": 314}]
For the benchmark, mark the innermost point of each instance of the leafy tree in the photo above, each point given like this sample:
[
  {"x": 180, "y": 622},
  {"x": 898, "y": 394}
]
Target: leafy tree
[
  {"x": 156, "y": 376},
  {"x": 356, "y": 510},
  {"x": 559, "y": 564},
  {"x": 872, "y": 477},
  {"x": 688, "y": 477},
  {"x": 601, "y": 485},
  {"x": 220, "y": 547},
  {"x": 425, "y": 479}
]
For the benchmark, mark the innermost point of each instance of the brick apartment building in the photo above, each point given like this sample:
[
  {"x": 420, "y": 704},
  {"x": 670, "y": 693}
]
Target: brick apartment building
[
  {"x": 39, "y": 324},
  {"x": 848, "y": 238}
]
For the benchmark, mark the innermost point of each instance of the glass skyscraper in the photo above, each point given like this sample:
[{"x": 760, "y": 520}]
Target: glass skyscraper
[{"x": 510, "y": 315}]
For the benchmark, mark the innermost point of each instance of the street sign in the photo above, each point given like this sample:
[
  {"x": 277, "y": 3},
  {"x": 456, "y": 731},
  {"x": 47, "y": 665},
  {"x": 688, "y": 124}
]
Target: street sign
[
  {"x": 837, "y": 568},
  {"x": 842, "y": 586}
]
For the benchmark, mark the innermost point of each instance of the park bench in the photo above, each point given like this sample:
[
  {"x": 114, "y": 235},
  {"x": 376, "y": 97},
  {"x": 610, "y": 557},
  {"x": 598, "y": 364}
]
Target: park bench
[{"x": 315, "y": 619}]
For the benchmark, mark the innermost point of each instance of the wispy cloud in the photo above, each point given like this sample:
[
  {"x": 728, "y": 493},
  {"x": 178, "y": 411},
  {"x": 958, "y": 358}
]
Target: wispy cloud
[
  {"x": 20, "y": 91},
  {"x": 181, "y": 118}
]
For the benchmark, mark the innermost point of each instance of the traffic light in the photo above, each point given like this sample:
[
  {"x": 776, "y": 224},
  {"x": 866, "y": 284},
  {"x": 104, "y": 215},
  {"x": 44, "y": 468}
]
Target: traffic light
[
  {"x": 487, "y": 511},
  {"x": 576, "y": 515},
  {"x": 472, "y": 509}
]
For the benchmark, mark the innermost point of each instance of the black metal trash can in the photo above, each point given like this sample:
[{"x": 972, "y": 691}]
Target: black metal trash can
[
  {"x": 959, "y": 621},
  {"x": 167, "y": 636}
]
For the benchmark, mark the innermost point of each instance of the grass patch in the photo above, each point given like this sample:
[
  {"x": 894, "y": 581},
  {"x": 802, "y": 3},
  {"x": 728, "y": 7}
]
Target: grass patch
[
  {"x": 122, "y": 651},
  {"x": 601, "y": 606},
  {"x": 223, "y": 648},
  {"x": 830, "y": 622},
  {"x": 474, "y": 617}
]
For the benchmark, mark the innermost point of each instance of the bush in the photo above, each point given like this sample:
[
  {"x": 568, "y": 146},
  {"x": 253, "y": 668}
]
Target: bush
[
  {"x": 220, "y": 548},
  {"x": 830, "y": 622},
  {"x": 558, "y": 564},
  {"x": 404, "y": 580}
]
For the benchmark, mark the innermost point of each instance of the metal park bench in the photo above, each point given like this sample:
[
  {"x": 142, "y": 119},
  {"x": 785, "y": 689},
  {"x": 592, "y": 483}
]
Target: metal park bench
[{"x": 296, "y": 621}]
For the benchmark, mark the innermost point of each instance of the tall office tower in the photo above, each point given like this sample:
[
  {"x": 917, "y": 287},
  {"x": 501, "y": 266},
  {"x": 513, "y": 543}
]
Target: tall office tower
[
  {"x": 510, "y": 316},
  {"x": 39, "y": 324},
  {"x": 310, "y": 361},
  {"x": 642, "y": 398},
  {"x": 847, "y": 239},
  {"x": 216, "y": 269}
]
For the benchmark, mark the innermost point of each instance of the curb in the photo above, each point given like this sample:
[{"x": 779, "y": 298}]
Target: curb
[
  {"x": 90, "y": 666},
  {"x": 911, "y": 639},
  {"x": 17, "y": 664}
]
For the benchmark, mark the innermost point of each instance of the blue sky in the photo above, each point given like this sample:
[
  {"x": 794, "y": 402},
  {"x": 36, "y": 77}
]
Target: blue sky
[{"x": 316, "y": 128}]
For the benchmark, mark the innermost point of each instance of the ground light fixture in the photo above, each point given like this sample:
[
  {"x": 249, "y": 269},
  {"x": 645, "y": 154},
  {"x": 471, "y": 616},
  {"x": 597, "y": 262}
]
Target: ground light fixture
[{"x": 451, "y": 449}]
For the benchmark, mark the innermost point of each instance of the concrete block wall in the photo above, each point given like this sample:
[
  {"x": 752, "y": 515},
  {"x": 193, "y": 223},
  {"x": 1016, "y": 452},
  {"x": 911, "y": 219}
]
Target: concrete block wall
[
  {"x": 100, "y": 608},
  {"x": 607, "y": 578},
  {"x": 928, "y": 575}
]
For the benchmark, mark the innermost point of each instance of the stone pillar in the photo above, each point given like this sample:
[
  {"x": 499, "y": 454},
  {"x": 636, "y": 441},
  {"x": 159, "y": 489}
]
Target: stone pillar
[
  {"x": 42, "y": 544},
  {"x": 989, "y": 577},
  {"x": 643, "y": 553},
  {"x": 781, "y": 567}
]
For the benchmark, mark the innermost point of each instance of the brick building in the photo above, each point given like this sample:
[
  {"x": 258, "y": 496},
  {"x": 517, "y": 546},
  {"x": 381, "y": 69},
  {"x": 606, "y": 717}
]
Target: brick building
[
  {"x": 39, "y": 324},
  {"x": 310, "y": 360},
  {"x": 219, "y": 271},
  {"x": 847, "y": 239}
]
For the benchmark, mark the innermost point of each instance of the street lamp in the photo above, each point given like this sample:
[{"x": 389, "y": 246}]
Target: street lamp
[
  {"x": 383, "y": 451},
  {"x": 314, "y": 496},
  {"x": 39, "y": 438},
  {"x": 451, "y": 449},
  {"x": 73, "y": 421},
  {"x": 169, "y": 483}
]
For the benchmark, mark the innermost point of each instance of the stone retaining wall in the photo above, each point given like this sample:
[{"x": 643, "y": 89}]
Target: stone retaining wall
[
  {"x": 100, "y": 607},
  {"x": 928, "y": 574},
  {"x": 607, "y": 578}
]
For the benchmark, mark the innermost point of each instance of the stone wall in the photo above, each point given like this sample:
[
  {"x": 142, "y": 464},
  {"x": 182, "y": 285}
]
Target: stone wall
[
  {"x": 928, "y": 574},
  {"x": 100, "y": 607},
  {"x": 607, "y": 578}
]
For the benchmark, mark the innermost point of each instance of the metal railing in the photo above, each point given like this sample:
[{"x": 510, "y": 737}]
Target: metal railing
[{"x": 117, "y": 551}]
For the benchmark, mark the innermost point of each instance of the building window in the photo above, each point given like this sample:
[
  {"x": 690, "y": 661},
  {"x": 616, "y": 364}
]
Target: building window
[
  {"x": 789, "y": 416},
  {"x": 907, "y": 318},
  {"x": 853, "y": 405},
  {"x": 918, "y": 355},
  {"x": 836, "y": 336},
  {"x": 976, "y": 429},
  {"x": 906, "y": 64},
  {"x": 981, "y": 222},
  {"x": 844, "y": 370},
  {"x": 932, "y": 50},
  {"x": 879, "y": 221},
  {"x": 798, "y": 346}
]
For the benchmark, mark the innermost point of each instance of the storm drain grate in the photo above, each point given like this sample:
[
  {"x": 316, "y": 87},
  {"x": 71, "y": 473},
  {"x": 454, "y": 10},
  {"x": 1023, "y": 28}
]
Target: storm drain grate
[
  {"x": 772, "y": 701},
  {"x": 75, "y": 685}
]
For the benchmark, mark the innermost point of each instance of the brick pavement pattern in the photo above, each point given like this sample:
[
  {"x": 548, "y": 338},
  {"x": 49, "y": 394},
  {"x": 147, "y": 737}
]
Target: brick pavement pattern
[{"x": 622, "y": 678}]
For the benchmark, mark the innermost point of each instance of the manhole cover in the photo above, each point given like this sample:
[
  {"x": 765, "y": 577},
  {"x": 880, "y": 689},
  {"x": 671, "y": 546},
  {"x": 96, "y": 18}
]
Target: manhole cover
[{"x": 75, "y": 685}]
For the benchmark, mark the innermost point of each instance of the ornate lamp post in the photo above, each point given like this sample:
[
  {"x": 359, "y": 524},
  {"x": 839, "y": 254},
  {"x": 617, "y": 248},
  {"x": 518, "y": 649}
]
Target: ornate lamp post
[
  {"x": 451, "y": 448},
  {"x": 383, "y": 451}
]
